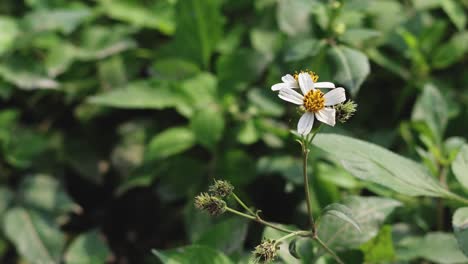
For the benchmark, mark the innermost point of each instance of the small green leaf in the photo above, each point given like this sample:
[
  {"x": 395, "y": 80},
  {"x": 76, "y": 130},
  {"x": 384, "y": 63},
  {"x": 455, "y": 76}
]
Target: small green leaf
[
  {"x": 455, "y": 12},
  {"x": 431, "y": 107},
  {"x": 194, "y": 254},
  {"x": 293, "y": 250},
  {"x": 87, "y": 248},
  {"x": 352, "y": 67},
  {"x": 342, "y": 212},
  {"x": 460, "y": 227},
  {"x": 369, "y": 213},
  {"x": 24, "y": 79},
  {"x": 380, "y": 248},
  {"x": 227, "y": 236},
  {"x": 208, "y": 126},
  {"x": 44, "y": 193},
  {"x": 9, "y": 32},
  {"x": 293, "y": 16},
  {"x": 451, "y": 52},
  {"x": 64, "y": 20},
  {"x": 460, "y": 166},
  {"x": 170, "y": 142},
  {"x": 35, "y": 236}
]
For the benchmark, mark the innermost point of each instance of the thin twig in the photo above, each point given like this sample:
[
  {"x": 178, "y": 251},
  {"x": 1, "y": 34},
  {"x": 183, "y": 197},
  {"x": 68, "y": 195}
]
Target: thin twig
[
  {"x": 329, "y": 250},
  {"x": 243, "y": 204}
]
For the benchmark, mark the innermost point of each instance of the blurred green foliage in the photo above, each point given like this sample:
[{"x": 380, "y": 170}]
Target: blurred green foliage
[{"x": 116, "y": 113}]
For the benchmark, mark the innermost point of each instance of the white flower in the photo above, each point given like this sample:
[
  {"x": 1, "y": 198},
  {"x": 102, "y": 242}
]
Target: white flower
[
  {"x": 315, "y": 103},
  {"x": 291, "y": 82}
]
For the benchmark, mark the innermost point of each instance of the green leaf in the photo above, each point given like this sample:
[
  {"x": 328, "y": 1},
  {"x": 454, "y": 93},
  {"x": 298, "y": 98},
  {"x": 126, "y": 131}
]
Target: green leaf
[
  {"x": 380, "y": 248},
  {"x": 194, "y": 254},
  {"x": 358, "y": 36},
  {"x": 87, "y": 248},
  {"x": 36, "y": 238},
  {"x": 373, "y": 163},
  {"x": 460, "y": 166},
  {"x": 24, "y": 79},
  {"x": 63, "y": 20},
  {"x": 437, "y": 247},
  {"x": 455, "y": 12},
  {"x": 451, "y": 52},
  {"x": 138, "y": 95},
  {"x": 175, "y": 69},
  {"x": 431, "y": 107},
  {"x": 208, "y": 126},
  {"x": 302, "y": 48},
  {"x": 342, "y": 212},
  {"x": 227, "y": 236},
  {"x": 6, "y": 197},
  {"x": 159, "y": 15},
  {"x": 369, "y": 213},
  {"x": 460, "y": 228},
  {"x": 352, "y": 67},
  {"x": 287, "y": 166},
  {"x": 199, "y": 28},
  {"x": 45, "y": 193},
  {"x": 265, "y": 41},
  {"x": 170, "y": 142},
  {"x": 9, "y": 32},
  {"x": 293, "y": 16}
]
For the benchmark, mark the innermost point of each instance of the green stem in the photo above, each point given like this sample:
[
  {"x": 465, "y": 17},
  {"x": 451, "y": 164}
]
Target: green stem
[
  {"x": 259, "y": 220},
  {"x": 329, "y": 250},
  {"x": 305, "y": 155},
  {"x": 243, "y": 204},
  {"x": 293, "y": 234}
]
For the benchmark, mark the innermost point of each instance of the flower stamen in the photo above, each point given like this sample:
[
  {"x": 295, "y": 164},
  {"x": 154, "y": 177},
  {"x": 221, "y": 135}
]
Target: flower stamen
[
  {"x": 314, "y": 101},
  {"x": 312, "y": 74}
]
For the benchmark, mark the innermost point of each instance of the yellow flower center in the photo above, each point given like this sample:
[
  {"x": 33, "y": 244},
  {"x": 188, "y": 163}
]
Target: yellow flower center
[
  {"x": 312, "y": 74},
  {"x": 314, "y": 101}
]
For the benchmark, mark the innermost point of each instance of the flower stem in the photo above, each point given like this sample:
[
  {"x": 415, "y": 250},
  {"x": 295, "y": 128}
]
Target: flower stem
[
  {"x": 260, "y": 220},
  {"x": 243, "y": 204},
  {"x": 293, "y": 234},
  {"x": 305, "y": 155},
  {"x": 329, "y": 250}
]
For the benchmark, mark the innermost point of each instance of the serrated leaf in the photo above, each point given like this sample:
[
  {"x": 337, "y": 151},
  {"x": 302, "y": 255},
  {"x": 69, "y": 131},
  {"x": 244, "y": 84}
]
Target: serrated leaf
[
  {"x": 227, "y": 236},
  {"x": 159, "y": 15},
  {"x": 170, "y": 142},
  {"x": 373, "y": 163},
  {"x": 460, "y": 228},
  {"x": 35, "y": 236},
  {"x": 431, "y": 107},
  {"x": 208, "y": 126},
  {"x": 455, "y": 12},
  {"x": 45, "y": 193},
  {"x": 342, "y": 212},
  {"x": 460, "y": 166},
  {"x": 87, "y": 248},
  {"x": 369, "y": 213},
  {"x": 352, "y": 67},
  {"x": 194, "y": 254},
  {"x": 200, "y": 24}
]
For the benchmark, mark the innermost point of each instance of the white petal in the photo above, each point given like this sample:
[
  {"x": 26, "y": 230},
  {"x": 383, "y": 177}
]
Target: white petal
[
  {"x": 288, "y": 78},
  {"x": 278, "y": 86},
  {"x": 304, "y": 126},
  {"x": 335, "y": 96},
  {"x": 305, "y": 83},
  {"x": 327, "y": 116},
  {"x": 324, "y": 85},
  {"x": 291, "y": 96}
]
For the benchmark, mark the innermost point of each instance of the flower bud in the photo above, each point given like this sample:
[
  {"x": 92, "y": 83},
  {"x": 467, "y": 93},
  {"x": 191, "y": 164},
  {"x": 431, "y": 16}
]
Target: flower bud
[
  {"x": 211, "y": 204},
  {"x": 345, "y": 111},
  {"x": 221, "y": 188},
  {"x": 266, "y": 252}
]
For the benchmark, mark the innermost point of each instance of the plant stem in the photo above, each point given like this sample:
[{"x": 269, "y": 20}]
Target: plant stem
[
  {"x": 242, "y": 204},
  {"x": 305, "y": 155},
  {"x": 259, "y": 220},
  {"x": 293, "y": 234},
  {"x": 330, "y": 251}
]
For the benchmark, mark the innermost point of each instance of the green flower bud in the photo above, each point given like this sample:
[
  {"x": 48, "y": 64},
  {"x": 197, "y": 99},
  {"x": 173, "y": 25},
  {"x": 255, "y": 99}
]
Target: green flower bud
[
  {"x": 211, "y": 204},
  {"x": 221, "y": 188},
  {"x": 266, "y": 252},
  {"x": 345, "y": 111}
]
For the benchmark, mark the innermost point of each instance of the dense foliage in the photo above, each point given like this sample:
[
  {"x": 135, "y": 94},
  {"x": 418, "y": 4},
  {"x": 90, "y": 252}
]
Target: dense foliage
[{"x": 116, "y": 113}]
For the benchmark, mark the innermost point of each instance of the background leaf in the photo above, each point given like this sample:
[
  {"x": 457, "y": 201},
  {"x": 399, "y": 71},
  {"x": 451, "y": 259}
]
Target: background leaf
[
  {"x": 87, "y": 248},
  {"x": 192, "y": 254}
]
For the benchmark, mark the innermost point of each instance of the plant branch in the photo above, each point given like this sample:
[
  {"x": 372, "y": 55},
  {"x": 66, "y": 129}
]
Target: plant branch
[
  {"x": 329, "y": 250},
  {"x": 243, "y": 204}
]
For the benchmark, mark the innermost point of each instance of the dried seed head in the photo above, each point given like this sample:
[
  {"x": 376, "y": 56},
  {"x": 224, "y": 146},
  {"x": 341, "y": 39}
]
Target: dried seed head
[
  {"x": 345, "y": 111},
  {"x": 211, "y": 204},
  {"x": 221, "y": 188},
  {"x": 266, "y": 252}
]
